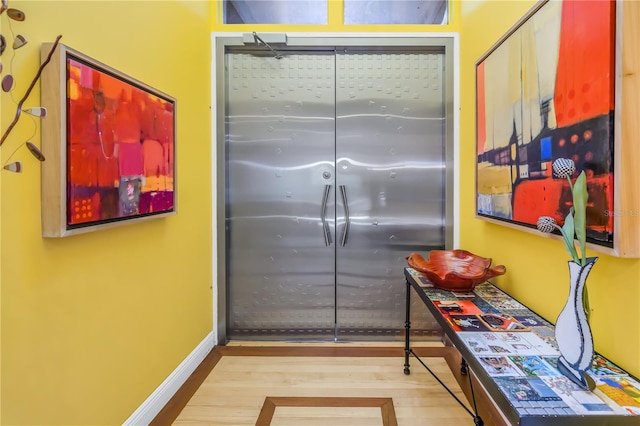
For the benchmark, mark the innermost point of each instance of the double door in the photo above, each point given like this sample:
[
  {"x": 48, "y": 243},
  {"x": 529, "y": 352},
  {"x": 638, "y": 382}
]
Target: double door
[{"x": 336, "y": 170}]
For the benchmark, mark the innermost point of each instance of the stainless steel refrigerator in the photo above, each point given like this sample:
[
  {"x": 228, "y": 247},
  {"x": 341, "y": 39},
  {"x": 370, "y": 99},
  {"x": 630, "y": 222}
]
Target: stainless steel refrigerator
[{"x": 336, "y": 170}]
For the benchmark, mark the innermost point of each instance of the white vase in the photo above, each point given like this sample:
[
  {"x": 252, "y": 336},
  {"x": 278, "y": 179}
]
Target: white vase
[{"x": 572, "y": 331}]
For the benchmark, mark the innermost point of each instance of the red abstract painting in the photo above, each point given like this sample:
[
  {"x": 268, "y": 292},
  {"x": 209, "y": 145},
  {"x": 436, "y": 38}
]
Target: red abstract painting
[
  {"x": 120, "y": 147},
  {"x": 546, "y": 91}
]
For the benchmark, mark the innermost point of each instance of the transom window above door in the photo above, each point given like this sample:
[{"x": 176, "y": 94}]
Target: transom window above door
[
  {"x": 420, "y": 12},
  {"x": 395, "y": 12},
  {"x": 275, "y": 11}
]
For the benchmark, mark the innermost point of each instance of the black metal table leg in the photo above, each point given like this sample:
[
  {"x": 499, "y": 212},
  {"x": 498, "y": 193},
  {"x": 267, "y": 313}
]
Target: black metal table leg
[
  {"x": 407, "y": 328},
  {"x": 477, "y": 420}
]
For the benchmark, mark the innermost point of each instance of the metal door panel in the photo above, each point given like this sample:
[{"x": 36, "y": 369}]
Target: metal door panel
[
  {"x": 280, "y": 147},
  {"x": 390, "y": 134},
  {"x": 283, "y": 278}
]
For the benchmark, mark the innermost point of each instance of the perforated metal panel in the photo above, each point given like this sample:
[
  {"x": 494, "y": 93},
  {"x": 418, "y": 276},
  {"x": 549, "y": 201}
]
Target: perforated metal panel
[
  {"x": 280, "y": 145},
  {"x": 390, "y": 160},
  {"x": 309, "y": 128}
]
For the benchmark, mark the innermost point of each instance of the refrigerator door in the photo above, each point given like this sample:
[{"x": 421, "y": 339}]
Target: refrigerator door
[
  {"x": 281, "y": 189},
  {"x": 390, "y": 165}
]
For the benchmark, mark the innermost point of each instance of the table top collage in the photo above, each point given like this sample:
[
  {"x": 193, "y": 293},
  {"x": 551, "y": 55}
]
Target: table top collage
[{"x": 517, "y": 350}]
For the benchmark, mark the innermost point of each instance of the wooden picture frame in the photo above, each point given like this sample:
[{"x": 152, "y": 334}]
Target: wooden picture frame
[
  {"x": 551, "y": 88},
  {"x": 109, "y": 144}
]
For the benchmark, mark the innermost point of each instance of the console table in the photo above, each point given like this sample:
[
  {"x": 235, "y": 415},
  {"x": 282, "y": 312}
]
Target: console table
[{"x": 512, "y": 352}]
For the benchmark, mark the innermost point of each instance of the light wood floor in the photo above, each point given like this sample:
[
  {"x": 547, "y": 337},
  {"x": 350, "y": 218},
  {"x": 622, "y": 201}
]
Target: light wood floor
[{"x": 322, "y": 384}]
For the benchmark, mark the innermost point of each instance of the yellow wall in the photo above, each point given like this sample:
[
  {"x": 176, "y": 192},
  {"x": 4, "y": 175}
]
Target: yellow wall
[
  {"x": 92, "y": 324},
  {"x": 537, "y": 272}
]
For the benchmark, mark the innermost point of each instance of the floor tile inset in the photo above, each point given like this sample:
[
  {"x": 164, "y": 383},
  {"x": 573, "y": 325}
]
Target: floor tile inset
[{"x": 387, "y": 413}]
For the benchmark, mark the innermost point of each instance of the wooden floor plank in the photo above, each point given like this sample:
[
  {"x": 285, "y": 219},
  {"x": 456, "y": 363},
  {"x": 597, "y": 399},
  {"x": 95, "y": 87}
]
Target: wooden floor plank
[
  {"x": 331, "y": 410},
  {"x": 233, "y": 383},
  {"x": 266, "y": 413},
  {"x": 171, "y": 410},
  {"x": 244, "y": 383}
]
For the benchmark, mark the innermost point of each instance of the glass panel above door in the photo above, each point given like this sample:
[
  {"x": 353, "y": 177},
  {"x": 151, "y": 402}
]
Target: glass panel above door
[
  {"x": 395, "y": 12},
  {"x": 275, "y": 11}
]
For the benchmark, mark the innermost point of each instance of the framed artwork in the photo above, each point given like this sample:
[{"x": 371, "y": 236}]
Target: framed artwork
[
  {"x": 109, "y": 142},
  {"x": 545, "y": 91}
]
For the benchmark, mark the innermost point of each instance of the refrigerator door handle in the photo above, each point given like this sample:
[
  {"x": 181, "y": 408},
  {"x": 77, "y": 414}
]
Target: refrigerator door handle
[
  {"x": 323, "y": 215},
  {"x": 347, "y": 220}
]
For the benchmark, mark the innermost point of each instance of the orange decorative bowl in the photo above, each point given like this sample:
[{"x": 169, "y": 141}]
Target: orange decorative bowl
[{"x": 455, "y": 270}]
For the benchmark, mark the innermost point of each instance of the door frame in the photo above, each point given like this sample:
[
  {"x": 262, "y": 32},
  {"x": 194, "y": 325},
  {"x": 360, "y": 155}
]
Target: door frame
[{"x": 387, "y": 42}]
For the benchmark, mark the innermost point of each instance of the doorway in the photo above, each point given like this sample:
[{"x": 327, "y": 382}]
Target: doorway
[{"x": 337, "y": 165}]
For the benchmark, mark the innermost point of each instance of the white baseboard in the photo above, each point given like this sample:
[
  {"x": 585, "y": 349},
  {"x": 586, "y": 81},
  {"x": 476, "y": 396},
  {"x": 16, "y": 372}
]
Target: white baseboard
[{"x": 159, "y": 398}]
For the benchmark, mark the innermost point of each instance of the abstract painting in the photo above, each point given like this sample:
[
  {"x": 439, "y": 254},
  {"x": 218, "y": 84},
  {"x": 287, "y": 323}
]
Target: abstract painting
[
  {"x": 117, "y": 145},
  {"x": 546, "y": 91}
]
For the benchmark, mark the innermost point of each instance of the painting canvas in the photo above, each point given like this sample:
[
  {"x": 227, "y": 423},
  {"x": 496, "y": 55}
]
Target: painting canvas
[
  {"x": 546, "y": 91},
  {"x": 116, "y": 147}
]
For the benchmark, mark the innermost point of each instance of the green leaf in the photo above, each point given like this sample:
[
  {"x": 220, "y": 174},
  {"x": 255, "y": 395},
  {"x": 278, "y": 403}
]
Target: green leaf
[
  {"x": 585, "y": 303},
  {"x": 567, "y": 235},
  {"x": 580, "y": 196}
]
